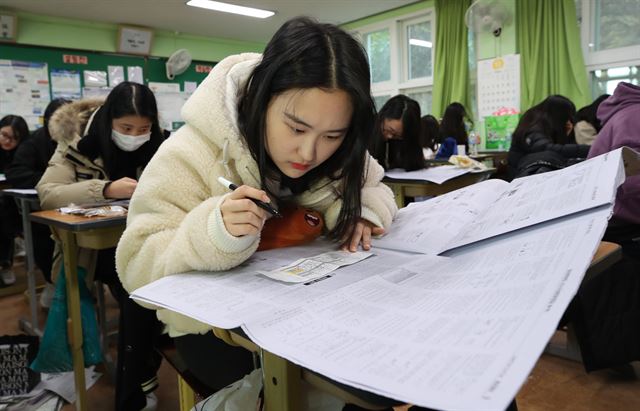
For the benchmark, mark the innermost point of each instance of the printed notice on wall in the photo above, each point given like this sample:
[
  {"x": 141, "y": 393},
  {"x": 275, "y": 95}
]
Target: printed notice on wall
[
  {"x": 25, "y": 90},
  {"x": 65, "y": 84},
  {"x": 498, "y": 84}
]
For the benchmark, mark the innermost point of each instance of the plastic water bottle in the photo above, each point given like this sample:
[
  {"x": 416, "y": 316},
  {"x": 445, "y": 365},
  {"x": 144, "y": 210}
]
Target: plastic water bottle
[{"x": 473, "y": 143}]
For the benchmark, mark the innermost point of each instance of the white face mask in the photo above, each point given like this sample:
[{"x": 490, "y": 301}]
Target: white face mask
[{"x": 129, "y": 143}]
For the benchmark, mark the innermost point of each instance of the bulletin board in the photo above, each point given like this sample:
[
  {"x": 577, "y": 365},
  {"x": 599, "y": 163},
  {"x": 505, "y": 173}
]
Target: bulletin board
[
  {"x": 79, "y": 68},
  {"x": 499, "y": 84}
]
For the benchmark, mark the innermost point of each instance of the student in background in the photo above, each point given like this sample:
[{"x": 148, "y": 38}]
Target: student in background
[
  {"x": 453, "y": 131},
  {"x": 13, "y": 132},
  {"x": 606, "y": 310},
  {"x": 587, "y": 124},
  {"x": 102, "y": 149},
  {"x": 28, "y": 165},
  {"x": 430, "y": 132},
  {"x": 397, "y": 135},
  {"x": 289, "y": 126},
  {"x": 539, "y": 141}
]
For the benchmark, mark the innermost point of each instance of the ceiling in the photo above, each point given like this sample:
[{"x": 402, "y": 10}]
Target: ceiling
[{"x": 174, "y": 15}]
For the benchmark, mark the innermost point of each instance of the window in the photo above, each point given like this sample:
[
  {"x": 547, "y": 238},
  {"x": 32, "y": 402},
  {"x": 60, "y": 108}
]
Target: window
[
  {"x": 378, "y": 49},
  {"x": 423, "y": 97},
  {"x": 419, "y": 46},
  {"x": 610, "y": 32},
  {"x": 400, "y": 52},
  {"x": 617, "y": 24},
  {"x": 380, "y": 100},
  {"x": 606, "y": 80}
]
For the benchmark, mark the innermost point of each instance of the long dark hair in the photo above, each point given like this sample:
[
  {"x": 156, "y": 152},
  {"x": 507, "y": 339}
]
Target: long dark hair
[
  {"x": 126, "y": 99},
  {"x": 452, "y": 124},
  {"x": 430, "y": 131},
  {"x": 18, "y": 126},
  {"x": 48, "y": 112},
  {"x": 305, "y": 54},
  {"x": 548, "y": 117},
  {"x": 404, "y": 153},
  {"x": 589, "y": 113}
]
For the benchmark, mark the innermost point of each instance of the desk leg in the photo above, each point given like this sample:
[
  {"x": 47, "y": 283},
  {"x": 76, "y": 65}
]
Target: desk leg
[
  {"x": 282, "y": 384},
  {"x": 187, "y": 397},
  {"x": 33, "y": 327},
  {"x": 74, "y": 322}
]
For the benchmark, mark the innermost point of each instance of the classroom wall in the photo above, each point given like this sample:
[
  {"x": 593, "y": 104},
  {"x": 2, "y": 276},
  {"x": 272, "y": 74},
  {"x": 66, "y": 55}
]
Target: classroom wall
[
  {"x": 40, "y": 30},
  {"x": 400, "y": 11}
]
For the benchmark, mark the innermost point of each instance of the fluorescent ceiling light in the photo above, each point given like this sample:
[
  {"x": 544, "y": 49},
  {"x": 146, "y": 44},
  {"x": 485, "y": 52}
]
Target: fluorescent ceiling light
[
  {"x": 230, "y": 8},
  {"x": 421, "y": 43}
]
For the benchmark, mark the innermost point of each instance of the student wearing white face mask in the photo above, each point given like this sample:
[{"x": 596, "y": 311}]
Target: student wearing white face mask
[{"x": 102, "y": 149}]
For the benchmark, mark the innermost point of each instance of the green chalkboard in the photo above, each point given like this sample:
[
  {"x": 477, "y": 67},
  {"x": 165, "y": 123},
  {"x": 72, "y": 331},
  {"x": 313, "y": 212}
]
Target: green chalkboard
[{"x": 153, "y": 68}]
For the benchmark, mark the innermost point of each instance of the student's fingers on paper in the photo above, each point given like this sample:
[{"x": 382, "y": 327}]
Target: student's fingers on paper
[
  {"x": 247, "y": 191},
  {"x": 356, "y": 235},
  {"x": 366, "y": 237},
  {"x": 375, "y": 230}
]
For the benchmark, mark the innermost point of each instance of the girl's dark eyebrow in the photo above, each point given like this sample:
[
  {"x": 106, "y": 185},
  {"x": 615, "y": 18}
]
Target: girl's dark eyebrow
[{"x": 299, "y": 121}]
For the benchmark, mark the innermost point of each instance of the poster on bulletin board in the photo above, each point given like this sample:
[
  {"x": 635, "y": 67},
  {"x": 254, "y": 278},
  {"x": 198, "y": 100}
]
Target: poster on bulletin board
[
  {"x": 499, "y": 84},
  {"x": 169, "y": 107},
  {"x": 25, "y": 90}
]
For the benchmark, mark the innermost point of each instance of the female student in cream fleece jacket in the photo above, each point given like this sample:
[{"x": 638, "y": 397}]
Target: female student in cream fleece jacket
[{"x": 283, "y": 122}]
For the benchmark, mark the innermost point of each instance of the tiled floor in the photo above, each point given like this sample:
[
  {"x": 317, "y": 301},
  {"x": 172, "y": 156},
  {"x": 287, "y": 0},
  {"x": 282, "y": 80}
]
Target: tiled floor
[{"x": 554, "y": 384}]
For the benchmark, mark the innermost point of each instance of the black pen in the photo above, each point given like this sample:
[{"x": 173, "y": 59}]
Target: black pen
[{"x": 261, "y": 204}]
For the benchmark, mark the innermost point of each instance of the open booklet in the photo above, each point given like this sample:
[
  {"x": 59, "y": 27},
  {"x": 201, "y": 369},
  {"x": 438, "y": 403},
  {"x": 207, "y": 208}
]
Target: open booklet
[
  {"x": 460, "y": 331},
  {"x": 495, "y": 207}
]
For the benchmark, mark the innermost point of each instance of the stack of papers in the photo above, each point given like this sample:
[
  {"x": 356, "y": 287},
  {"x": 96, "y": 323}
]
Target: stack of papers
[
  {"x": 437, "y": 175},
  {"x": 452, "y": 311}
]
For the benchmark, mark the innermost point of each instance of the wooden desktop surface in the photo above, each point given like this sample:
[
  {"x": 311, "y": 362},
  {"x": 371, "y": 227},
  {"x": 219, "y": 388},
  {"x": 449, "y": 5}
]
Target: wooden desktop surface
[
  {"x": 421, "y": 188},
  {"x": 76, "y": 223}
]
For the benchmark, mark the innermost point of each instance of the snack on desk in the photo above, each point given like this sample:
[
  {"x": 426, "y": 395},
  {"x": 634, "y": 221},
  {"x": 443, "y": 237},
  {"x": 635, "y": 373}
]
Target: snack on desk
[
  {"x": 98, "y": 211},
  {"x": 466, "y": 162}
]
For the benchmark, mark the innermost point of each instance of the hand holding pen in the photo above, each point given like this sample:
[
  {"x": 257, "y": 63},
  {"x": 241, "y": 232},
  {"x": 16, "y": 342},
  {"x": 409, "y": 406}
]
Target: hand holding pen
[{"x": 244, "y": 211}]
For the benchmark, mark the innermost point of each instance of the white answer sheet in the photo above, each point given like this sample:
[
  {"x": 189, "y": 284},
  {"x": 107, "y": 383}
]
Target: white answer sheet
[
  {"x": 542, "y": 197},
  {"x": 228, "y": 299},
  {"x": 453, "y": 333},
  {"x": 494, "y": 207},
  {"x": 425, "y": 227},
  {"x": 438, "y": 174},
  {"x": 314, "y": 267},
  {"x": 457, "y": 332}
]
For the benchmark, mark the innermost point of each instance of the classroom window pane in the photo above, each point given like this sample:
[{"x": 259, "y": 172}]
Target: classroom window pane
[
  {"x": 378, "y": 45},
  {"x": 617, "y": 23},
  {"x": 606, "y": 80},
  {"x": 419, "y": 45},
  {"x": 424, "y": 99},
  {"x": 380, "y": 100}
]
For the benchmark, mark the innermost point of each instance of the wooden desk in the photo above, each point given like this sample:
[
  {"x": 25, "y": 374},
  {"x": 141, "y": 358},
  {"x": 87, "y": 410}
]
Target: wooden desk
[
  {"x": 96, "y": 233},
  {"x": 606, "y": 255},
  {"x": 421, "y": 188},
  {"x": 28, "y": 202}
]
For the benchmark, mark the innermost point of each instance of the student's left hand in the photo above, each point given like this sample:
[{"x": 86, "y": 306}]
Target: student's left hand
[{"x": 361, "y": 234}]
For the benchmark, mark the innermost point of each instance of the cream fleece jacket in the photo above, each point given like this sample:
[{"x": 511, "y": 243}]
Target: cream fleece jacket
[{"x": 174, "y": 223}]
